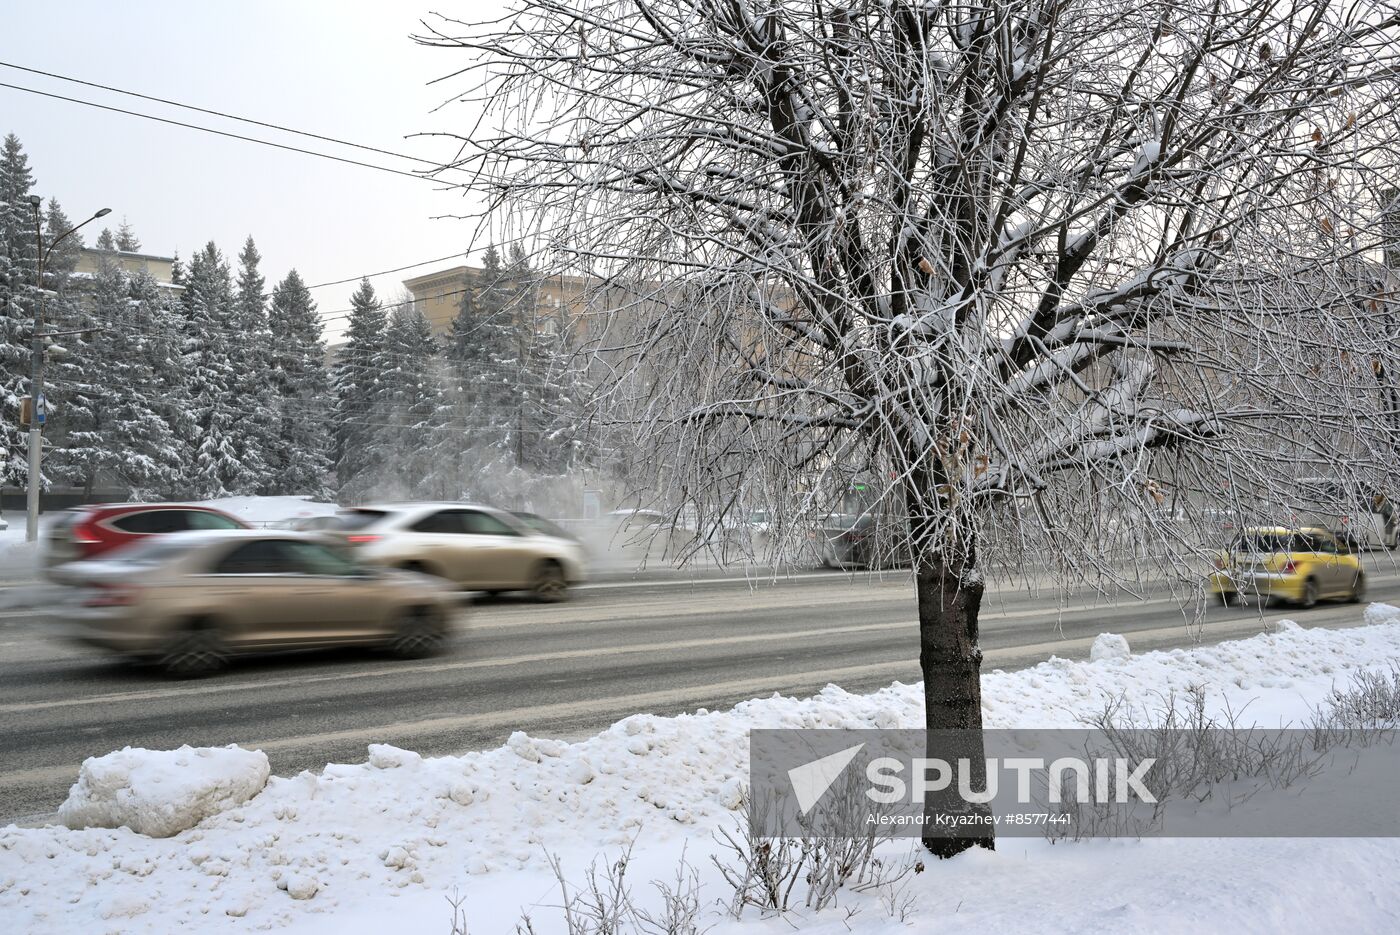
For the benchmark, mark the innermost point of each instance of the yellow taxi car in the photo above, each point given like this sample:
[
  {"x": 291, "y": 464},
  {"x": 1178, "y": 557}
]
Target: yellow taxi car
[{"x": 1298, "y": 565}]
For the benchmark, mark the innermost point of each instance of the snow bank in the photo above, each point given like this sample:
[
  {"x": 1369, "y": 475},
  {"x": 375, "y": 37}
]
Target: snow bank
[
  {"x": 160, "y": 793},
  {"x": 261, "y": 510},
  {"x": 376, "y": 846},
  {"x": 1109, "y": 646}
]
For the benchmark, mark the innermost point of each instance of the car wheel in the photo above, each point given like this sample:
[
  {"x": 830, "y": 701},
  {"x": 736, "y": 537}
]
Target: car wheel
[
  {"x": 1358, "y": 590},
  {"x": 1224, "y": 597},
  {"x": 549, "y": 585},
  {"x": 1309, "y": 598},
  {"x": 197, "y": 650},
  {"x": 418, "y": 632}
]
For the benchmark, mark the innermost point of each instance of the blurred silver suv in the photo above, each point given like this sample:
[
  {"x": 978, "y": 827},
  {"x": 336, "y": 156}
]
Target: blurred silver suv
[{"x": 476, "y": 547}]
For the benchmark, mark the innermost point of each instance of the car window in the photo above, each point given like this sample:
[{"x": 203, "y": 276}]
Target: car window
[
  {"x": 260, "y": 557},
  {"x": 1268, "y": 542},
  {"x": 541, "y": 525},
  {"x": 314, "y": 559},
  {"x": 203, "y": 519},
  {"x": 152, "y": 522},
  {"x": 351, "y": 520},
  {"x": 1321, "y": 544},
  {"x": 443, "y": 521},
  {"x": 484, "y": 524}
]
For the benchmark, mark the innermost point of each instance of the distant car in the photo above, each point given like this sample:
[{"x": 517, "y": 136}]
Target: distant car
[
  {"x": 89, "y": 531},
  {"x": 191, "y": 601},
  {"x": 850, "y": 540},
  {"x": 844, "y": 540},
  {"x": 1298, "y": 565},
  {"x": 478, "y": 548}
]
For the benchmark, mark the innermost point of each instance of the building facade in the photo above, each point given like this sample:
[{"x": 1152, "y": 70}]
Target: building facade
[{"x": 159, "y": 268}]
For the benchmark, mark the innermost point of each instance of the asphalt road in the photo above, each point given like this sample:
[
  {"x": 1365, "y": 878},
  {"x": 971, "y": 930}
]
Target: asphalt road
[{"x": 563, "y": 670}]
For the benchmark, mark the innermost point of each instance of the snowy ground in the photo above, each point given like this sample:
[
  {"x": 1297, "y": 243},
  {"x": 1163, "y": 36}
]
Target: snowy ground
[{"x": 379, "y": 846}]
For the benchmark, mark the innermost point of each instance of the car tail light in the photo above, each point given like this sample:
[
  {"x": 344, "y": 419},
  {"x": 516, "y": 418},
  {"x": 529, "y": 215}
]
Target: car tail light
[
  {"x": 362, "y": 539},
  {"x": 1220, "y": 563},
  {"x": 1289, "y": 567},
  {"x": 112, "y": 595},
  {"x": 85, "y": 533}
]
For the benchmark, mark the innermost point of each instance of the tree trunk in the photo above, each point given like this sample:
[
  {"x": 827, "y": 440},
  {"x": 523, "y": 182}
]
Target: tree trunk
[{"x": 950, "y": 596}]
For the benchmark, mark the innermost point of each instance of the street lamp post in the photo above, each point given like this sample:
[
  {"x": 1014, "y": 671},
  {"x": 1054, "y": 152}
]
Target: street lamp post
[{"x": 36, "y": 370}]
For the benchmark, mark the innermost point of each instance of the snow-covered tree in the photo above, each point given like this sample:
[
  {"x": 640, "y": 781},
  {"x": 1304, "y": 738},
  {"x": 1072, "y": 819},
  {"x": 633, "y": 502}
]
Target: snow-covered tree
[
  {"x": 73, "y": 386},
  {"x": 359, "y": 391},
  {"x": 18, "y": 269},
  {"x": 126, "y": 239},
  {"x": 252, "y": 357},
  {"x": 215, "y": 467},
  {"x": 117, "y": 412},
  {"x": 1035, "y": 269},
  {"x": 301, "y": 391},
  {"x": 409, "y": 423}
]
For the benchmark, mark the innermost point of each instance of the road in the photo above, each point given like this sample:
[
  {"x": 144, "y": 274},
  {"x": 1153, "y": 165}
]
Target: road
[{"x": 562, "y": 670}]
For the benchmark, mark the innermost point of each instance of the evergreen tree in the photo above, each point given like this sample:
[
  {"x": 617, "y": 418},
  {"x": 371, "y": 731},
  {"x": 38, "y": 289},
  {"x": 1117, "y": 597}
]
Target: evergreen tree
[
  {"x": 359, "y": 394},
  {"x": 214, "y": 468},
  {"x": 411, "y": 403},
  {"x": 177, "y": 271},
  {"x": 18, "y": 269},
  {"x": 74, "y": 387},
  {"x": 483, "y": 356},
  {"x": 127, "y": 241},
  {"x": 106, "y": 242},
  {"x": 116, "y": 413},
  {"x": 250, "y": 352},
  {"x": 300, "y": 388}
]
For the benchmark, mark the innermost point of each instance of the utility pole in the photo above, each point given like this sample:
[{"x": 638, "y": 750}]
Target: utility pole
[{"x": 36, "y": 371}]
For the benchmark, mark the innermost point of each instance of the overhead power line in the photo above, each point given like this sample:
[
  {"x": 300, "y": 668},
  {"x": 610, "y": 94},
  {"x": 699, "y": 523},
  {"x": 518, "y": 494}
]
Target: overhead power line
[
  {"x": 385, "y": 272},
  {"x": 218, "y": 113},
  {"x": 223, "y": 133}
]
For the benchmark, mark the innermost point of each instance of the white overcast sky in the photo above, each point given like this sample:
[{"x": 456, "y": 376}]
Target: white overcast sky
[{"x": 341, "y": 68}]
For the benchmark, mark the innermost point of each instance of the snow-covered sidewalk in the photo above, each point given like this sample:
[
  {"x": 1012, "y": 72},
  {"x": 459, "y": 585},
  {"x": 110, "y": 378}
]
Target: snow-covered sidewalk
[{"x": 378, "y": 846}]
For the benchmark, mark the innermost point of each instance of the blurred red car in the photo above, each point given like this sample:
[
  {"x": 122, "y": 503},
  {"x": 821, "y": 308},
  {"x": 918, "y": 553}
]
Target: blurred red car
[{"x": 86, "y": 531}]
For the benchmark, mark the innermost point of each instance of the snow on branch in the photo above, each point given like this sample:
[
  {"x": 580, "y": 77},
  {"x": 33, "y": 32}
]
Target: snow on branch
[{"x": 1019, "y": 271}]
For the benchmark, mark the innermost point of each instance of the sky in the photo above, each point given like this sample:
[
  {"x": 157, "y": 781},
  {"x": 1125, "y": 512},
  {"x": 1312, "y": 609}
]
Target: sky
[{"x": 340, "y": 68}]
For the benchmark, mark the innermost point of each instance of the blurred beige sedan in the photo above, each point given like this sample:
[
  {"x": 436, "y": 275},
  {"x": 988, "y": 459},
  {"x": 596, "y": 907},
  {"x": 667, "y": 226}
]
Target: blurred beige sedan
[
  {"x": 478, "y": 548},
  {"x": 191, "y": 600}
]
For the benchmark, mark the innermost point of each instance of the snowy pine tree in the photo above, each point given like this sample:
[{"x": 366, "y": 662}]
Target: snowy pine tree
[
  {"x": 127, "y": 241},
  {"x": 116, "y": 415},
  {"x": 18, "y": 269},
  {"x": 410, "y": 407},
  {"x": 300, "y": 389},
  {"x": 214, "y": 468},
  {"x": 251, "y": 356},
  {"x": 73, "y": 383},
  {"x": 483, "y": 358},
  {"x": 358, "y": 394}
]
